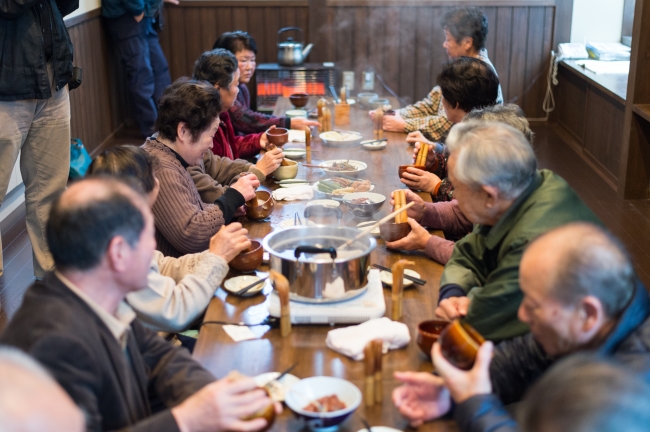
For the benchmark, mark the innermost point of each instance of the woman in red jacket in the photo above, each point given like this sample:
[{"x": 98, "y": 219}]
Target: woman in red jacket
[{"x": 219, "y": 67}]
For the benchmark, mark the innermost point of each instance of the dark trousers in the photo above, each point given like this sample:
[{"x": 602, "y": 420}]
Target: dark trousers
[{"x": 146, "y": 66}]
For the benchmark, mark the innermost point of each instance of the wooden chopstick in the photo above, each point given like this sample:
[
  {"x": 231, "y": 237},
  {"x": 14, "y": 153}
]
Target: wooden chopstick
[
  {"x": 411, "y": 278},
  {"x": 376, "y": 224}
]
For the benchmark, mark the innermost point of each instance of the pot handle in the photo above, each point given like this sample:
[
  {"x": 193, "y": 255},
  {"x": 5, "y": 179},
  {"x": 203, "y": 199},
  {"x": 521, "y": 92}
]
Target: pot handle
[
  {"x": 285, "y": 29},
  {"x": 313, "y": 250},
  {"x": 321, "y": 210}
]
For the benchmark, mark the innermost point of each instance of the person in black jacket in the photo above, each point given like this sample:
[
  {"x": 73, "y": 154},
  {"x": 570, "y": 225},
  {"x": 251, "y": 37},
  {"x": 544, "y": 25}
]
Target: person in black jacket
[
  {"x": 580, "y": 295},
  {"x": 35, "y": 68},
  {"x": 77, "y": 324}
]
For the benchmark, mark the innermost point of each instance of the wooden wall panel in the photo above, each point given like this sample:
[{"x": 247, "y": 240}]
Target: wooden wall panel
[{"x": 603, "y": 135}]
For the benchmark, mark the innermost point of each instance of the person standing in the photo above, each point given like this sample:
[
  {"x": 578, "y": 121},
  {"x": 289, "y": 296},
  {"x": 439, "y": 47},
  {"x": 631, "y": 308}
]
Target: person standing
[
  {"x": 35, "y": 68},
  {"x": 132, "y": 27}
]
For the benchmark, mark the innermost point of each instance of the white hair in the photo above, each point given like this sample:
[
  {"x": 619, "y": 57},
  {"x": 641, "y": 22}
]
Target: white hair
[{"x": 492, "y": 154}]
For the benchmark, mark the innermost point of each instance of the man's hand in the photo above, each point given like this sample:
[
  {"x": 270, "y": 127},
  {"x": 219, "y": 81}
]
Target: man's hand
[
  {"x": 417, "y": 211},
  {"x": 422, "y": 397},
  {"x": 423, "y": 180},
  {"x": 246, "y": 186},
  {"x": 220, "y": 406},
  {"x": 464, "y": 384},
  {"x": 394, "y": 123},
  {"x": 139, "y": 17},
  {"x": 431, "y": 154},
  {"x": 230, "y": 241},
  {"x": 299, "y": 123},
  {"x": 417, "y": 137},
  {"x": 452, "y": 308},
  {"x": 415, "y": 240},
  {"x": 270, "y": 161}
]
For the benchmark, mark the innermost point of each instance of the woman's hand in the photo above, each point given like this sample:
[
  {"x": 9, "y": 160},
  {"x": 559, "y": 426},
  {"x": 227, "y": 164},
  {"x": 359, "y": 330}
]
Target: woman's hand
[
  {"x": 270, "y": 161},
  {"x": 246, "y": 186},
  {"x": 230, "y": 241},
  {"x": 423, "y": 180},
  {"x": 300, "y": 123},
  {"x": 264, "y": 139}
]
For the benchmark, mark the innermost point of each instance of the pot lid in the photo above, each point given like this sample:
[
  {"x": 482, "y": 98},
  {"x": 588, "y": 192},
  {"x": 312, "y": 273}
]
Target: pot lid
[{"x": 290, "y": 43}]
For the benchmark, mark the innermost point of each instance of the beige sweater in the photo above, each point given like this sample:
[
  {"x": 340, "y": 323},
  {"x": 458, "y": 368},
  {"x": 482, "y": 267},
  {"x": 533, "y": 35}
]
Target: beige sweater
[{"x": 178, "y": 290}]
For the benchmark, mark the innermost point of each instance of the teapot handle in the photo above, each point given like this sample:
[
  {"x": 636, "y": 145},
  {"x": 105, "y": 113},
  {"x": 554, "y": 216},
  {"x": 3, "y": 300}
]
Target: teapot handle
[{"x": 285, "y": 29}]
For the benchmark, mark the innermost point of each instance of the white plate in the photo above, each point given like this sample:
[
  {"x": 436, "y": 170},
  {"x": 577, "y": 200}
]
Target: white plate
[
  {"x": 294, "y": 153},
  {"x": 374, "y": 233},
  {"x": 283, "y": 385},
  {"x": 361, "y": 166},
  {"x": 387, "y": 277},
  {"x": 324, "y": 202},
  {"x": 380, "y": 429},
  {"x": 374, "y": 146},
  {"x": 296, "y": 135},
  {"x": 235, "y": 284},
  {"x": 329, "y": 195}
]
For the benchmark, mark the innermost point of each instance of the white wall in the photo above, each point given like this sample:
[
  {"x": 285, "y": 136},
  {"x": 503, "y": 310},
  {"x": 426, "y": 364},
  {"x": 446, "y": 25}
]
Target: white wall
[
  {"x": 85, "y": 6},
  {"x": 597, "y": 20}
]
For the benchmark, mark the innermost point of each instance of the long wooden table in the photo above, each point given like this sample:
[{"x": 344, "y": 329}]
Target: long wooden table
[{"x": 306, "y": 345}]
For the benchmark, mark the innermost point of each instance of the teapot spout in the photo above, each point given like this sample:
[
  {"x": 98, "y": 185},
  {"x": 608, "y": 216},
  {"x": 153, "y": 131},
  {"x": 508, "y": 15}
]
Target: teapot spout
[{"x": 306, "y": 50}]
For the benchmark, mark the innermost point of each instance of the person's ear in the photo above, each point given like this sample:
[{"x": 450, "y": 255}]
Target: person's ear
[
  {"x": 592, "y": 314},
  {"x": 118, "y": 254},
  {"x": 183, "y": 132},
  {"x": 491, "y": 195},
  {"x": 467, "y": 43}
]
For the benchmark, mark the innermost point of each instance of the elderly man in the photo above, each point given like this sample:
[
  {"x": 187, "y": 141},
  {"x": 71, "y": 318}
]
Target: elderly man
[
  {"x": 75, "y": 322},
  {"x": 30, "y": 400},
  {"x": 499, "y": 189},
  {"x": 580, "y": 294}
]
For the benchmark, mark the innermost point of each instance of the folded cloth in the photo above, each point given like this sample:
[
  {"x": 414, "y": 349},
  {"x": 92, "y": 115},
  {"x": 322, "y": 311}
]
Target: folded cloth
[
  {"x": 352, "y": 340},
  {"x": 294, "y": 193}
]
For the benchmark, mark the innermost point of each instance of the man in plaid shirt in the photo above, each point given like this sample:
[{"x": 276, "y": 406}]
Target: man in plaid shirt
[{"x": 465, "y": 32}]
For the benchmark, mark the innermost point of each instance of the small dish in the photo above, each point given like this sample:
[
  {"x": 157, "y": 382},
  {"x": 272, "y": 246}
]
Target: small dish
[
  {"x": 280, "y": 388},
  {"x": 262, "y": 208},
  {"x": 294, "y": 153},
  {"x": 286, "y": 172},
  {"x": 324, "y": 202},
  {"x": 250, "y": 259},
  {"x": 367, "y": 209},
  {"x": 341, "y": 138},
  {"x": 233, "y": 285},
  {"x": 374, "y": 233},
  {"x": 296, "y": 136},
  {"x": 373, "y": 145},
  {"x": 360, "y": 166},
  {"x": 299, "y": 100},
  {"x": 391, "y": 231},
  {"x": 277, "y": 136},
  {"x": 296, "y": 113},
  {"x": 387, "y": 277},
  {"x": 330, "y": 195}
]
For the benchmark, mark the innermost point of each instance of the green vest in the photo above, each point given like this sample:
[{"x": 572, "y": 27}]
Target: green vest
[{"x": 485, "y": 264}]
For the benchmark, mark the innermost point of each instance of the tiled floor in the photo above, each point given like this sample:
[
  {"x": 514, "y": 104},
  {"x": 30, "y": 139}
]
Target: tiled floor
[{"x": 629, "y": 220}]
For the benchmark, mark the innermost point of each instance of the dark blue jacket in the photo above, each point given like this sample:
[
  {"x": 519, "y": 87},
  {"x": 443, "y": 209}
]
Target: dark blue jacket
[
  {"x": 519, "y": 362},
  {"x": 23, "y": 68},
  {"x": 117, "y": 8}
]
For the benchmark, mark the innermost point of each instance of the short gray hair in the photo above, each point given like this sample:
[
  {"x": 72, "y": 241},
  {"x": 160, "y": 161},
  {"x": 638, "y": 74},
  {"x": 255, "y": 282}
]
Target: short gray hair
[
  {"x": 509, "y": 114},
  {"x": 492, "y": 154},
  {"x": 592, "y": 262},
  {"x": 585, "y": 393}
]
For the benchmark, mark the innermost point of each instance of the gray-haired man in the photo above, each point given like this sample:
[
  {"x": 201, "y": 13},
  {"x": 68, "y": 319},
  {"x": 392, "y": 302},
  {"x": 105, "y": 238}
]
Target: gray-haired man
[{"x": 580, "y": 295}]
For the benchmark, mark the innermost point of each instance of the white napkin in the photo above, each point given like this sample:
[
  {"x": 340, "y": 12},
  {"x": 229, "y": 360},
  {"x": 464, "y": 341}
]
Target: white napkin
[
  {"x": 239, "y": 333},
  {"x": 294, "y": 193},
  {"x": 352, "y": 340}
]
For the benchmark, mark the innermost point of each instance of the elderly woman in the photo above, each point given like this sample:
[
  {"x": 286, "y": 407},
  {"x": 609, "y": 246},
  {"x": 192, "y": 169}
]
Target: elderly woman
[
  {"x": 498, "y": 189},
  {"x": 244, "y": 119},
  {"x": 188, "y": 118},
  {"x": 178, "y": 289}
]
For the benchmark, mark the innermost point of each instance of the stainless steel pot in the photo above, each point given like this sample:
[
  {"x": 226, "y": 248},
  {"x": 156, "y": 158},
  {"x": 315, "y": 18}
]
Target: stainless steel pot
[
  {"x": 290, "y": 52},
  {"x": 307, "y": 256}
]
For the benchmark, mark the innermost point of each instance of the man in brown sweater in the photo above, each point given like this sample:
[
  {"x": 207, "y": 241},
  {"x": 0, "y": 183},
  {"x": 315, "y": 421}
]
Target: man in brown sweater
[{"x": 187, "y": 119}]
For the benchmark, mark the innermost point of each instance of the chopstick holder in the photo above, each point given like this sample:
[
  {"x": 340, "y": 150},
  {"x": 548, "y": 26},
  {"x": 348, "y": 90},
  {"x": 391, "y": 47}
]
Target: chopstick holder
[
  {"x": 398, "y": 288},
  {"x": 369, "y": 380},
  {"x": 308, "y": 144},
  {"x": 281, "y": 285}
]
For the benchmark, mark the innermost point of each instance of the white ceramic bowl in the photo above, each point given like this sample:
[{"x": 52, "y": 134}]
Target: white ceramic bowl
[
  {"x": 360, "y": 166},
  {"x": 305, "y": 391},
  {"x": 235, "y": 284},
  {"x": 295, "y": 153},
  {"x": 335, "y": 139}
]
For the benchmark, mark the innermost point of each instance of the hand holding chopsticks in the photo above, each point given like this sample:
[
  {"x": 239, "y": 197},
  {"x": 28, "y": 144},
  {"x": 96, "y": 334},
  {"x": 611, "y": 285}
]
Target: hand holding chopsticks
[{"x": 376, "y": 224}]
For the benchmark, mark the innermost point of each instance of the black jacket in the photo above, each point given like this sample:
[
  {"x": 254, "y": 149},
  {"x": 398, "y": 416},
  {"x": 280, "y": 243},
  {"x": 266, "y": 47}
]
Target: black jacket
[
  {"x": 519, "y": 362},
  {"x": 23, "y": 70},
  {"x": 63, "y": 333}
]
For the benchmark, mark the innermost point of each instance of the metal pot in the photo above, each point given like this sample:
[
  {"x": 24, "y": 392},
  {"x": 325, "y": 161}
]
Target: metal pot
[
  {"x": 290, "y": 52},
  {"x": 307, "y": 256}
]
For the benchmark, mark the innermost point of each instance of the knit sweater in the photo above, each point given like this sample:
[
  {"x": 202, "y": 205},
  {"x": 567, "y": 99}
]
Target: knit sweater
[
  {"x": 184, "y": 223},
  {"x": 178, "y": 290},
  {"x": 445, "y": 216},
  {"x": 246, "y": 121},
  {"x": 226, "y": 144}
]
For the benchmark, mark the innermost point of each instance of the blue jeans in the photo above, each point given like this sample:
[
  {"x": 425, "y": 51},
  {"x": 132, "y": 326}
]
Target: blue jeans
[{"x": 146, "y": 66}]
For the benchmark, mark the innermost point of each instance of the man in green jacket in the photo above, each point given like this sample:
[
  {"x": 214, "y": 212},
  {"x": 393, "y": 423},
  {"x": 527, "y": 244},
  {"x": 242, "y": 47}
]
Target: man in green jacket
[{"x": 499, "y": 189}]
